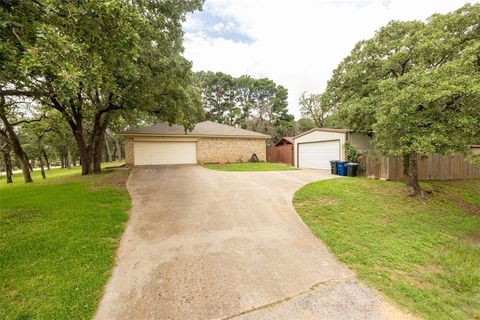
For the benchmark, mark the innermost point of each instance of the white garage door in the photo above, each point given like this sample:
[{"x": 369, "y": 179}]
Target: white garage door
[
  {"x": 148, "y": 153},
  {"x": 317, "y": 155}
]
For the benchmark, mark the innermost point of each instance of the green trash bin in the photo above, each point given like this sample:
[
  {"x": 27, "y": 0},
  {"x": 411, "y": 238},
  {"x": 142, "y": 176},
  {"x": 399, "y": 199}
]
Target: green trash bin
[{"x": 352, "y": 169}]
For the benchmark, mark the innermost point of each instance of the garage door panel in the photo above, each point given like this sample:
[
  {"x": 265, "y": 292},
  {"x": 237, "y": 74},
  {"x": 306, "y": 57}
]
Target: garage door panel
[
  {"x": 317, "y": 155},
  {"x": 154, "y": 152}
]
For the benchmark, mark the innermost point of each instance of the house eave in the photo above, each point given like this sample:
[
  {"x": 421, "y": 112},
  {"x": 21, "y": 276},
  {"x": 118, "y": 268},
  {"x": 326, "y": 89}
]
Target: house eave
[
  {"x": 133, "y": 135},
  {"x": 322, "y": 129}
]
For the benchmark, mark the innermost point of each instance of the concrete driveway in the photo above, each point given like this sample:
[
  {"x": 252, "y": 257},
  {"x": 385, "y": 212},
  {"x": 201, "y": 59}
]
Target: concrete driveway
[{"x": 204, "y": 244}]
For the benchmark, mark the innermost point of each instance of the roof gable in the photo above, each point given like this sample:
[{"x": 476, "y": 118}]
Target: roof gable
[
  {"x": 321, "y": 129},
  {"x": 285, "y": 140}
]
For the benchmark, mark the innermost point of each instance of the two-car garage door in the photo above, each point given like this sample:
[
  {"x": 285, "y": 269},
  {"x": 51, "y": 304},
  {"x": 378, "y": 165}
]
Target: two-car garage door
[
  {"x": 317, "y": 155},
  {"x": 156, "y": 152}
]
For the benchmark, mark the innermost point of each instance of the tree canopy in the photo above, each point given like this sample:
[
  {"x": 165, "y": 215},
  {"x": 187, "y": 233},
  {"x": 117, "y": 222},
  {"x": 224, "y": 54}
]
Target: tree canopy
[
  {"x": 94, "y": 61},
  {"x": 416, "y": 85},
  {"x": 255, "y": 104},
  {"x": 313, "y": 106}
]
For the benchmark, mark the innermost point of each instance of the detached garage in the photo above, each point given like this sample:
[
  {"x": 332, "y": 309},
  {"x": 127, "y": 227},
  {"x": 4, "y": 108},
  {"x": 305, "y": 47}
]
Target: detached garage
[
  {"x": 208, "y": 142},
  {"x": 315, "y": 148}
]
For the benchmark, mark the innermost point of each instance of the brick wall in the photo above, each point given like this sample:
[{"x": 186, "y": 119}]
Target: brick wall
[
  {"x": 229, "y": 149},
  {"x": 129, "y": 155},
  {"x": 216, "y": 149}
]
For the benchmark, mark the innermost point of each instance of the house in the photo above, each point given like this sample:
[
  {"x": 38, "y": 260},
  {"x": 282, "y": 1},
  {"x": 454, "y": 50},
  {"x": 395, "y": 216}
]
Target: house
[
  {"x": 207, "y": 142},
  {"x": 315, "y": 148}
]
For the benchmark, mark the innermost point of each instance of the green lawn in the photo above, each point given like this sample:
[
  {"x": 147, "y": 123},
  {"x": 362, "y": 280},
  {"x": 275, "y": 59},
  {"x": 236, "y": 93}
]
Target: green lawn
[
  {"x": 422, "y": 253},
  {"x": 58, "y": 240},
  {"x": 249, "y": 166}
]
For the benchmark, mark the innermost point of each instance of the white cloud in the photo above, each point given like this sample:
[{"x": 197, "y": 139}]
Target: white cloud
[
  {"x": 230, "y": 26},
  {"x": 219, "y": 26},
  {"x": 193, "y": 24},
  {"x": 296, "y": 43}
]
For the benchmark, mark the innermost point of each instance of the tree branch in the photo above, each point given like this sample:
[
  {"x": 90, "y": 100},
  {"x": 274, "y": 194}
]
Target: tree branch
[
  {"x": 40, "y": 136},
  {"x": 20, "y": 93},
  {"x": 111, "y": 106},
  {"x": 4, "y": 134},
  {"x": 29, "y": 121}
]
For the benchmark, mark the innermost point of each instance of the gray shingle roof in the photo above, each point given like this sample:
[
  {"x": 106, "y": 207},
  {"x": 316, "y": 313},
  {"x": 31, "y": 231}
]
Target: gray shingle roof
[{"x": 205, "y": 128}]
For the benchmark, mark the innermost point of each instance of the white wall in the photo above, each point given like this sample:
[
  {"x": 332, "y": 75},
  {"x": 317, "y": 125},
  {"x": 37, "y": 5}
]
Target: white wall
[{"x": 319, "y": 136}]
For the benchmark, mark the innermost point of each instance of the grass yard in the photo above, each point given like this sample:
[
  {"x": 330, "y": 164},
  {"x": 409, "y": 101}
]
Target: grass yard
[
  {"x": 58, "y": 240},
  {"x": 249, "y": 166},
  {"x": 423, "y": 254}
]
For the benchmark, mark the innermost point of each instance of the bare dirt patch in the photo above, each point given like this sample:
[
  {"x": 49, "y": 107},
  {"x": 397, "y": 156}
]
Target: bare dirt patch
[
  {"x": 329, "y": 201},
  {"x": 324, "y": 201},
  {"x": 462, "y": 203},
  {"x": 473, "y": 239},
  {"x": 418, "y": 282},
  {"x": 111, "y": 178}
]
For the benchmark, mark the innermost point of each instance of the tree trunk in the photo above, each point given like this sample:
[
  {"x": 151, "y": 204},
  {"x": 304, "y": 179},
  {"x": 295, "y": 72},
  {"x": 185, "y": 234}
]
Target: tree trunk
[
  {"x": 97, "y": 153},
  {"x": 46, "y": 158},
  {"x": 30, "y": 162},
  {"x": 84, "y": 152},
  {"x": 40, "y": 157},
  {"x": 18, "y": 150},
  {"x": 15, "y": 143},
  {"x": 107, "y": 148},
  {"x": 88, "y": 150},
  {"x": 118, "y": 150},
  {"x": 91, "y": 157},
  {"x": 42, "y": 169},
  {"x": 98, "y": 142},
  {"x": 27, "y": 174},
  {"x": 76, "y": 124},
  {"x": 68, "y": 159},
  {"x": 412, "y": 182},
  {"x": 7, "y": 160},
  {"x": 114, "y": 154}
]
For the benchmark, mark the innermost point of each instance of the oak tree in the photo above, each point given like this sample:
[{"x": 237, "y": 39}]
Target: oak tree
[
  {"x": 416, "y": 86},
  {"x": 90, "y": 60}
]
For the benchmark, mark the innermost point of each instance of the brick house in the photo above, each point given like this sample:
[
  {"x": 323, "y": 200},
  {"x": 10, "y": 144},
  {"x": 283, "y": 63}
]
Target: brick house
[{"x": 208, "y": 142}]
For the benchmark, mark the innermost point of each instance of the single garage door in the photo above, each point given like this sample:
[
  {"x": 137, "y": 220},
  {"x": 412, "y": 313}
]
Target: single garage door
[
  {"x": 149, "y": 153},
  {"x": 317, "y": 155}
]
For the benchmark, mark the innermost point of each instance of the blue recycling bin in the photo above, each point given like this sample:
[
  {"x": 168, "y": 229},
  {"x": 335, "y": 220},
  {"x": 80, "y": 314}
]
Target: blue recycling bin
[{"x": 341, "y": 168}]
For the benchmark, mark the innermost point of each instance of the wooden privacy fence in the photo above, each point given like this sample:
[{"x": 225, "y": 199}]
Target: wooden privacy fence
[
  {"x": 435, "y": 167},
  {"x": 282, "y": 154},
  {"x": 382, "y": 167}
]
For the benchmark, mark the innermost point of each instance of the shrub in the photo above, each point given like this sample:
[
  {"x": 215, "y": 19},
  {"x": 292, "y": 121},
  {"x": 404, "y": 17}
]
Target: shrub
[{"x": 351, "y": 152}]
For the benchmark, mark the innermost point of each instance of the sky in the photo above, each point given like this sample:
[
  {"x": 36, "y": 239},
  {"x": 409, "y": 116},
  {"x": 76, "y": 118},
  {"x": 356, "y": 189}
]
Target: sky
[{"x": 296, "y": 43}]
